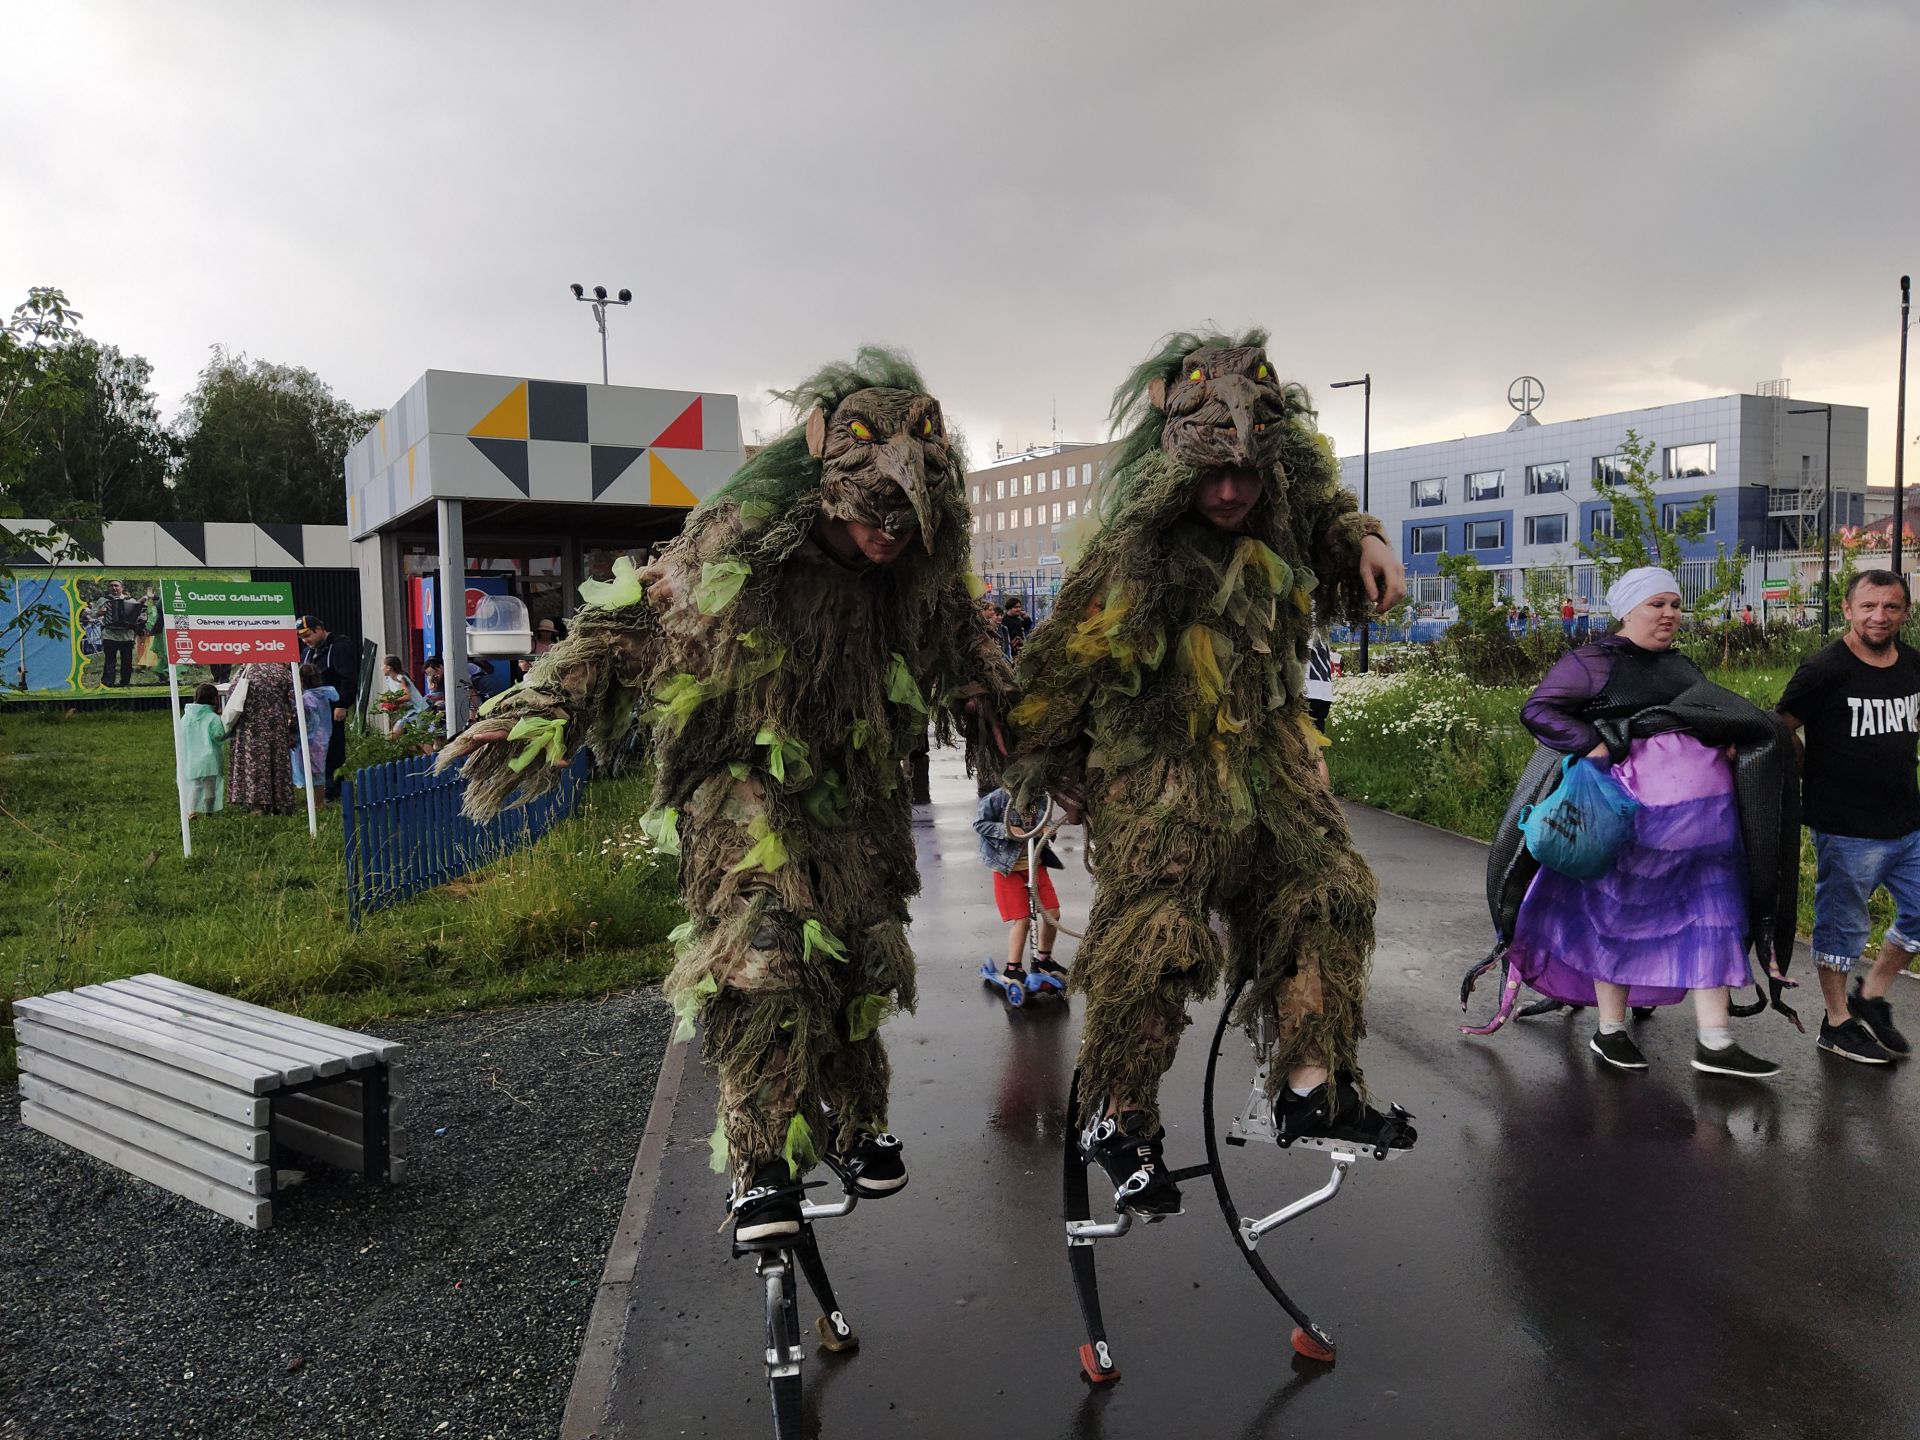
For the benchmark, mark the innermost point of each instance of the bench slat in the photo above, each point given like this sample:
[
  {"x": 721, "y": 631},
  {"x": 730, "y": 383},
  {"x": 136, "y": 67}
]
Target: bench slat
[
  {"x": 253, "y": 1211},
  {"x": 64, "y": 1014},
  {"x": 344, "y": 1041},
  {"x": 276, "y": 1068},
  {"x": 222, "y": 1034},
  {"x": 154, "y": 1139},
  {"x": 240, "y": 1106},
  {"x": 247, "y": 1141},
  {"x": 308, "y": 1109},
  {"x": 310, "y": 1140}
]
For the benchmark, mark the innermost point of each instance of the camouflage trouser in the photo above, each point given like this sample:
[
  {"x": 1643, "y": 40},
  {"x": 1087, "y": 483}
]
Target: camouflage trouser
[{"x": 1299, "y": 927}]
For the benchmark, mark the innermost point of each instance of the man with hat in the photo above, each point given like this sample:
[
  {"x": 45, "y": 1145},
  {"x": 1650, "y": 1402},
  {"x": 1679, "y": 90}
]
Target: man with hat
[{"x": 339, "y": 667}]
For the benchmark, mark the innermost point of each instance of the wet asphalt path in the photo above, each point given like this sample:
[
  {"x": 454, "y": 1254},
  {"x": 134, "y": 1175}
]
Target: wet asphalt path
[{"x": 1569, "y": 1252}]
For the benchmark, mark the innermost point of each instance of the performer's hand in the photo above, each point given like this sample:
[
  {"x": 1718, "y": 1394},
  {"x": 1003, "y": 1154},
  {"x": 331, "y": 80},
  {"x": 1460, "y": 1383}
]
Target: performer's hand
[
  {"x": 481, "y": 732},
  {"x": 339, "y": 712},
  {"x": 1382, "y": 575},
  {"x": 981, "y": 707}
]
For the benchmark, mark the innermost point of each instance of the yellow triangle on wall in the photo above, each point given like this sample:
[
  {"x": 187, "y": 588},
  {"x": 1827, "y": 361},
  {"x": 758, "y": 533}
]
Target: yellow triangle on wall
[
  {"x": 664, "y": 487},
  {"x": 508, "y": 419}
]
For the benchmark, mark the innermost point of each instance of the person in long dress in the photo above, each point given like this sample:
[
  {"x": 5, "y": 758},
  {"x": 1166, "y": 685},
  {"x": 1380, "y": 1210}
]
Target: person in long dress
[
  {"x": 1669, "y": 919},
  {"x": 262, "y": 734}
]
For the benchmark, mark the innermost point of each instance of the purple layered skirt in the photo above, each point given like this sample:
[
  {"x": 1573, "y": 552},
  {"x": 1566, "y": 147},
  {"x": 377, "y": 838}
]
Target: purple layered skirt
[{"x": 1671, "y": 916}]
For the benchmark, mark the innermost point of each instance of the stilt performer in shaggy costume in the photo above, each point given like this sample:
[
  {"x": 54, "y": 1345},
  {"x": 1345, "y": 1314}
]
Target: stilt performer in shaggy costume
[
  {"x": 1165, "y": 696},
  {"x": 784, "y": 652}
]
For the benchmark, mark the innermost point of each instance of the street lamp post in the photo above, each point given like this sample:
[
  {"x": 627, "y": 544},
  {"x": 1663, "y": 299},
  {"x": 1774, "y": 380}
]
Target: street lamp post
[
  {"x": 600, "y": 302},
  {"x": 1900, "y": 428},
  {"x": 1826, "y": 523},
  {"x": 1366, "y": 465}
]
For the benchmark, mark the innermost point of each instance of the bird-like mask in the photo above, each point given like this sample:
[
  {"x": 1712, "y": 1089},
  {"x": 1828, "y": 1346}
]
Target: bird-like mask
[
  {"x": 884, "y": 457},
  {"x": 1225, "y": 410}
]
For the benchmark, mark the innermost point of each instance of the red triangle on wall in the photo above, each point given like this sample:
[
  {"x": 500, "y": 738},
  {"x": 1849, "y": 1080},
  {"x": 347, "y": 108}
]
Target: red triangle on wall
[{"x": 685, "y": 433}]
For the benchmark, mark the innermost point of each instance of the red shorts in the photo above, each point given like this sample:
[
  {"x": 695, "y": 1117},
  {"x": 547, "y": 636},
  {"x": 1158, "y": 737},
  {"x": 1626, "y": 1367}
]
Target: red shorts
[{"x": 1010, "y": 894}]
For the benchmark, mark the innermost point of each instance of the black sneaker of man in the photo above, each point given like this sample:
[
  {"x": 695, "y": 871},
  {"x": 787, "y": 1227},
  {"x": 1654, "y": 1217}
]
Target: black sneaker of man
[
  {"x": 1853, "y": 1041},
  {"x": 871, "y": 1166},
  {"x": 1125, "y": 1148},
  {"x": 1877, "y": 1015},
  {"x": 1732, "y": 1060},
  {"x": 1616, "y": 1047},
  {"x": 1336, "y": 1112},
  {"x": 769, "y": 1209}
]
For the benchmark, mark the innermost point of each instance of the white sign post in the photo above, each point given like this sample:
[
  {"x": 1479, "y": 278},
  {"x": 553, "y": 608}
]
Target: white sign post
[{"x": 221, "y": 622}]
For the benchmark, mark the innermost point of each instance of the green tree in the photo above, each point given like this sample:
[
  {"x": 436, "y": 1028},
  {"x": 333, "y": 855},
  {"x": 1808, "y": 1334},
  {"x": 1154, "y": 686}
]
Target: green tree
[
  {"x": 265, "y": 443},
  {"x": 104, "y": 450},
  {"x": 36, "y": 398},
  {"x": 1488, "y": 652},
  {"x": 1639, "y": 538}
]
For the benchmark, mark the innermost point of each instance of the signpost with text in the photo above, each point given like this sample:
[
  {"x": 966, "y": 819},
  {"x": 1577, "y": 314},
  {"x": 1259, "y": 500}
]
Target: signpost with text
[{"x": 227, "y": 622}]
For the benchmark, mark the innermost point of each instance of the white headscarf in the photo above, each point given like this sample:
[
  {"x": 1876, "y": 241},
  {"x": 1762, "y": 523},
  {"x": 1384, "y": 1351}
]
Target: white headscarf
[{"x": 1638, "y": 586}]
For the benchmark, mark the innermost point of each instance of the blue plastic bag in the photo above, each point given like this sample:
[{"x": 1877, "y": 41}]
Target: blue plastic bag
[{"x": 1580, "y": 827}]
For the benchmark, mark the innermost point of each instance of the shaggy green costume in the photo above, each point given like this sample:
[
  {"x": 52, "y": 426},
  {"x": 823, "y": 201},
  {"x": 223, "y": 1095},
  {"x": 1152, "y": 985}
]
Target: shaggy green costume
[
  {"x": 780, "y": 686},
  {"x": 1166, "y": 691}
]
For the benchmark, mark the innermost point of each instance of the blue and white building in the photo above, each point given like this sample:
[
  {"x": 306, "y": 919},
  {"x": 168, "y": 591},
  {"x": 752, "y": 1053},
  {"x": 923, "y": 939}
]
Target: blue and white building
[{"x": 1518, "y": 499}]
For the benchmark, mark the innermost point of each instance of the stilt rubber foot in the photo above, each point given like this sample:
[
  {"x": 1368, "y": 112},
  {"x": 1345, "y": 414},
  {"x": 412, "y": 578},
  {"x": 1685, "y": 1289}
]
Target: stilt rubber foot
[
  {"x": 1096, "y": 1364},
  {"x": 1311, "y": 1347},
  {"x": 831, "y": 1339}
]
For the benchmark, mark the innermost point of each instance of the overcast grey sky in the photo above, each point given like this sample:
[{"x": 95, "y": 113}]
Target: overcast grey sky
[{"x": 1637, "y": 202}]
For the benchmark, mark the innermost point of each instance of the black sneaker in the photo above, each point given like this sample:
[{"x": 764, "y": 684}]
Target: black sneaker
[
  {"x": 1047, "y": 965},
  {"x": 1336, "y": 1112},
  {"x": 1131, "y": 1157},
  {"x": 1015, "y": 972},
  {"x": 1732, "y": 1061},
  {"x": 1616, "y": 1047},
  {"x": 1877, "y": 1016},
  {"x": 872, "y": 1166},
  {"x": 1853, "y": 1041},
  {"x": 769, "y": 1210}
]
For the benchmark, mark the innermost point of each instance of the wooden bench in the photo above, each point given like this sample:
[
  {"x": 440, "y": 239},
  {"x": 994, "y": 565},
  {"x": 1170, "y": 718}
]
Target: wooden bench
[{"x": 203, "y": 1095}]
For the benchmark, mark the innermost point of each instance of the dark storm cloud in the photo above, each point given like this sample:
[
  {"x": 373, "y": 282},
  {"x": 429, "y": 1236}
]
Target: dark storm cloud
[{"x": 1638, "y": 202}]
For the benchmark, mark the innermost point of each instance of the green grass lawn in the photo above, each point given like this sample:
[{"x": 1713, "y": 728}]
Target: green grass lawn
[
  {"x": 1436, "y": 747},
  {"x": 93, "y": 887}
]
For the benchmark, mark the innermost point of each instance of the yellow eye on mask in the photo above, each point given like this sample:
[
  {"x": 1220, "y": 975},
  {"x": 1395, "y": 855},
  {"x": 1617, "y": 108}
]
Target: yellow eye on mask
[
  {"x": 1261, "y": 373},
  {"x": 1196, "y": 373},
  {"x": 926, "y": 427},
  {"x": 860, "y": 430}
]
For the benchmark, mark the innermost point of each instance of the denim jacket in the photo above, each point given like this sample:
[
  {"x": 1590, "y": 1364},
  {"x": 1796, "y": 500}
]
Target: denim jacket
[{"x": 1000, "y": 851}]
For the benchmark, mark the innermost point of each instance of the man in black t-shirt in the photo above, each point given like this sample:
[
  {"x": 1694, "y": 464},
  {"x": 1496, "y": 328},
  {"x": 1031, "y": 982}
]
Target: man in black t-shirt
[
  {"x": 1858, "y": 704},
  {"x": 1017, "y": 624}
]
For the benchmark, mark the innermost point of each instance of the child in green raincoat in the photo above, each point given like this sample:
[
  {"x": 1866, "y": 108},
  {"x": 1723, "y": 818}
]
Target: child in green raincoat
[{"x": 203, "y": 766}]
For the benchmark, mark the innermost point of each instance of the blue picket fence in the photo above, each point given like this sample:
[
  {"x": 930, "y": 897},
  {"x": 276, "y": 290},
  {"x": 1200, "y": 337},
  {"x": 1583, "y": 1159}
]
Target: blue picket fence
[{"x": 405, "y": 833}]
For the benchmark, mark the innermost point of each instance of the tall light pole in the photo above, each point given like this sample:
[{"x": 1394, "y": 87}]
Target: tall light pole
[
  {"x": 1366, "y": 464},
  {"x": 1826, "y": 522},
  {"x": 1900, "y": 428},
  {"x": 600, "y": 302}
]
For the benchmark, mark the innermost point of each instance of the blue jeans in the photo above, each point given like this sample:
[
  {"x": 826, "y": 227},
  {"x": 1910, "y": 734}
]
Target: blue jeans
[{"x": 1848, "y": 870}]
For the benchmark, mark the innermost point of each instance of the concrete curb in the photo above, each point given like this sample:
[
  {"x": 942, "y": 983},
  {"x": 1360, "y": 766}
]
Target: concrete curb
[{"x": 588, "y": 1398}]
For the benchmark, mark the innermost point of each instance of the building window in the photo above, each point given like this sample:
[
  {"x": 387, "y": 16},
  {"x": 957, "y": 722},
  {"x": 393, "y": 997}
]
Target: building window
[
  {"x": 1672, "y": 510},
  {"x": 1486, "y": 484},
  {"x": 999, "y": 519},
  {"x": 1000, "y": 489},
  {"x": 1601, "y": 525},
  {"x": 1429, "y": 589},
  {"x": 1486, "y": 534},
  {"x": 1546, "y": 529},
  {"x": 1072, "y": 477},
  {"x": 1429, "y": 539},
  {"x": 1689, "y": 462},
  {"x": 1056, "y": 479},
  {"x": 1026, "y": 517},
  {"x": 1609, "y": 470},
  {"x": 1549, "y": 479},
  {"x": 1086, "y": 473},
  {"x": 1056, "y": 512},
  {"x": 1429, "y": 492},
  {"x": 1073, "y": 508},
  {"x": 976, "y": 524}
]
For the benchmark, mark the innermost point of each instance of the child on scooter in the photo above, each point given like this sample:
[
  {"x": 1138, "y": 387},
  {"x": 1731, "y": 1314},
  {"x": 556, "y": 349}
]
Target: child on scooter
[{"x": 1003, "y": 835}]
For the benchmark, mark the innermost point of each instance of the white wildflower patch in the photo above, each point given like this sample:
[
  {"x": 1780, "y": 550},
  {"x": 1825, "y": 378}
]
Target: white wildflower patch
[{"x": 626, "y": 846}]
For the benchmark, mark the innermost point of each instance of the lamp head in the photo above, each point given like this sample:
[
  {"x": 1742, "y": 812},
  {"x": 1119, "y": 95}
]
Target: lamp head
[
  {"x": 626, "y": 296},
  {"x": 599, "y": 292},
  {"x": 579, "y": 291}
]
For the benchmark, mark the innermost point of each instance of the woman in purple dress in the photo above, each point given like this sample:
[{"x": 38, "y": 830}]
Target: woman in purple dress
[{"x": 1670, "y": 917}]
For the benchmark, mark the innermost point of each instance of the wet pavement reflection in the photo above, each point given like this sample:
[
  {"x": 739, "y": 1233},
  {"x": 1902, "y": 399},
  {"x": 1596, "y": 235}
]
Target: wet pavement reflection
[{"x": 1569, "y": 1251}]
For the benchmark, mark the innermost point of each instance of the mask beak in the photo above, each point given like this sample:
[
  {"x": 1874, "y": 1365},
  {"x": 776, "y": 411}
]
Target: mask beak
[
  {"x": 902, "y": 462},
  {"x": 1238, "y": 395}
]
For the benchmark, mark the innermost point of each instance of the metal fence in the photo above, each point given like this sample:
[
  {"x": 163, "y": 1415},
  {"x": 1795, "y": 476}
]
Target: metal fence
[{"x": 405, "y": 833}]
